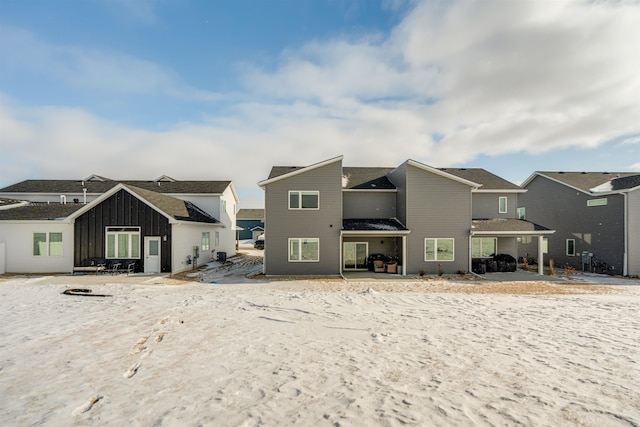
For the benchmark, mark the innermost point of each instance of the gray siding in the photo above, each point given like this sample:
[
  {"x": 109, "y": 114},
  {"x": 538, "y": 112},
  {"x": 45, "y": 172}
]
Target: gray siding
[
  {"x": 597, "y": 229},
  {"x": 325, "y": 223},
  {"x": 485, "y": 205},
  {"x": 633, "y": 233},
  {"x": 399, "y": 178},
  {"x": 369, "y": 204},
  {"x": 437, "y": 207}
]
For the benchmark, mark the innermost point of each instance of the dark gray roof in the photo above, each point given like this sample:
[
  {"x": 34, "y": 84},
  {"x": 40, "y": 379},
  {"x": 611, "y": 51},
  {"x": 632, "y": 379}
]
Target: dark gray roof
[
  {"x": 250, "y": 214},
  {"x": 586, "y": 180},
  {"x": 505, "y": 224},
  {"x": 180, "y": 210},
  {"x": 61, "y": 186},
  {"x": 361, "y": 178},
  {"x": 39, "y": 212},
  {"x": 626, "y": 182},
  {"x": 372, "y": 224},
  {"x": 277, "y": 171},
  {"x": 9, "y": 202},
  {"x": 488, "y": 180}
]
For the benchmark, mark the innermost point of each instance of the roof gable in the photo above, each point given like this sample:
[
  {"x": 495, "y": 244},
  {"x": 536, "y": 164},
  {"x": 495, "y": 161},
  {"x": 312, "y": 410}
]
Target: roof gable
[
  {"x": 442, "y": 173},
  {"x": 488, "y": 180},
  {"x": 362, "y": 178},
  {"x": 250, "y": 214},
  {"x": 590, "y": 182},
  {"x": 282, "y": 172}
]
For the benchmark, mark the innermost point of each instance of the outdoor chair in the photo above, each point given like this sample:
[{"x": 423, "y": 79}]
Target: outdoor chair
[{"x": 378, "y": 266}]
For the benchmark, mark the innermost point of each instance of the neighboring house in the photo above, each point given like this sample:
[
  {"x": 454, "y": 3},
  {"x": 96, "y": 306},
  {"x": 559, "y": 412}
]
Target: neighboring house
[
  {"x": 250, "y": 223},
  {"x": 159, "y": 226},
  {"x": 596, "y": 213},
  {"x": 326, "y": 219}
]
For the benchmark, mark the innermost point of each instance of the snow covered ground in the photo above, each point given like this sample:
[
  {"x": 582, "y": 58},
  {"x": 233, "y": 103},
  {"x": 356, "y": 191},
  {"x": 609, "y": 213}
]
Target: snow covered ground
[{"x": 161, "y": 351}]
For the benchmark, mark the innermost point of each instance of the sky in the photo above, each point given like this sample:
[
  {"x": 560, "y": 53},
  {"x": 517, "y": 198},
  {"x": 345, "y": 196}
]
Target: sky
[{"x": 224, "y": 90}]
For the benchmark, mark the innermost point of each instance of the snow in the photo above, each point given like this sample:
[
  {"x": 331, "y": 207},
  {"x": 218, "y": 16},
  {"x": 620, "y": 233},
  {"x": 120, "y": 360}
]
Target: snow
[
  {"x": 602, "y": 188},
  {"x": 246, "y": 352}
]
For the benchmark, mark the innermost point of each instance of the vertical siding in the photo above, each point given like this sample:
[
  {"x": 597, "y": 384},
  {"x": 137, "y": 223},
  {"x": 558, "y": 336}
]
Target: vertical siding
[
  {"x": 597, "y": 229},
  {"x": 437, "y": 207},
  {"x": 485, "y": 205},
  {"x": 369, "y": 204},
  {"x": 633, "y": 233},
  {"x": 325, "y": 223},
  {"x": 121, "y": 209}
]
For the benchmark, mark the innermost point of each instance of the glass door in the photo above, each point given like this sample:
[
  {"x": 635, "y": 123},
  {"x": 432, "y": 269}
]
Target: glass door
[{"x": 355, "y": 255}]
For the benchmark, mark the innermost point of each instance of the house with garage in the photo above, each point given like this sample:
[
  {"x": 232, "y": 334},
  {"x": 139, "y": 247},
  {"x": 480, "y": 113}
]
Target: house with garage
[
  {"x": 326, "y": 219},
  {"x": 250, "y": 223},
  {"x": 167, "y": 227},
  {"x": 596, "y": 216}
]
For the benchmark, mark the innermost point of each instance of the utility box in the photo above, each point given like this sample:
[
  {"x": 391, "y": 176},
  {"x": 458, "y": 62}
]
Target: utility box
[{"x": 222, "y": 256}]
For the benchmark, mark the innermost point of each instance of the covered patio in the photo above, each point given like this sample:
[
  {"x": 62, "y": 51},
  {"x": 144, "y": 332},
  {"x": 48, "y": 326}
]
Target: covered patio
[
  {"x": 362, "y": 239},
  {"x": 499, "y": 236}
]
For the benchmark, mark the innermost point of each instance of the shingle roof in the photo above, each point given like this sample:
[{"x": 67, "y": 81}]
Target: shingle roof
[
  {"x": 250, "y": 214},
  {"x": 362, "y": 178},
  {"x": 8, "y": 202},
  {"x": 60, "y": 186},
  {"x": 626, "y": 182},
  {"x": 39, "y": 212},
  {"x": 277, "y": 171},
  {"x": 180, "y": 210},
  {"x": 372, "y": 224},
  {"x": 488, "y": 180},
  {"x": 585, "y": 181},
  {"x": 505, "y": 224}
]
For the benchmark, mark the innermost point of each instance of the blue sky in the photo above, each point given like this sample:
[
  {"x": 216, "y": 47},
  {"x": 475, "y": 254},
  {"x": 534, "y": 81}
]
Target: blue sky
[{"x": 227, "y": 89}]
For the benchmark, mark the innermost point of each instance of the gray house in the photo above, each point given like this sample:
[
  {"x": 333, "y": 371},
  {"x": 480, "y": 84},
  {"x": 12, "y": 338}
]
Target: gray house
[
  {"x": 326, "y": 219},
  {"x": 595, "y": 213}
]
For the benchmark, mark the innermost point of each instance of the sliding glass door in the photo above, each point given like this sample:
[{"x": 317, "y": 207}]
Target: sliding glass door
[{"x": 355, "y": 255}]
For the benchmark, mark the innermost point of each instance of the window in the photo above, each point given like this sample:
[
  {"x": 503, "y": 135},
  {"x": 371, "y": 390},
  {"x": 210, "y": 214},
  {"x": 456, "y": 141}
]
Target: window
[
  {"x": 217, "y": 238},
  {"x": 205, "y": 241},
  {"x": 47, "y": 244},
  {"x": 502, "y": 204},
  {"x": 123, "y": 242},
  {"x": 223, "y": 206},
  {"x": 304, "y": 200},
  {"x": 438, "y": 249},
  {"x": 571, "y": 247},
  {"x": 545, "y": 245},
  {"x": 304, "y": 250},
  {"x": 483, "y": 247},
  {"x": 597, "y": 202},
  {"x": 521, "y": 213}
]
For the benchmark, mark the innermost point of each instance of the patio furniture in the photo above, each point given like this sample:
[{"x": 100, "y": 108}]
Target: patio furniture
[
  {"x": 392, "y": 267},
  {"x": 378, "y": 266}
]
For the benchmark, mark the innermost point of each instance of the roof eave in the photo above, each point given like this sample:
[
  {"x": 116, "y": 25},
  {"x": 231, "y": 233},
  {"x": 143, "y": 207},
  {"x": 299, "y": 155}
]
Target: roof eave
[
  {"x": 443, "y": 173},
  {"x": 266, "y": 182}
]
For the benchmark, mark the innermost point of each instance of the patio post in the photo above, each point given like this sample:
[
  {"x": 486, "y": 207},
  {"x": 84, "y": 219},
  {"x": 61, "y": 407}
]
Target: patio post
[{"x": 540, "y": 256}]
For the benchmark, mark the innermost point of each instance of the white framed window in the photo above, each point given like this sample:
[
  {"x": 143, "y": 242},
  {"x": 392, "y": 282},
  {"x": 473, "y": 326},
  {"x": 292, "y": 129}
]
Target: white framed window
[
  {"x": 571, "y": 247},
  {"x": 206, "y": 241},
  {"x": 223, "y": 206},
  {"x": 521, "y": 213},
  {"x": 502, "y": 204},
  {"x": 441, "y": 249},
  {"x": 545, "y": 245},
  {"x": 216, "y": 237},
  {"x": 597, "y": 202},
  {"x": 47, "y": 244},
  {"x": 304, "y": 250},
  {"x": 483, "y": 247},
  {"x": 123, "y": 242},
  {"x": 304, "y": 200}
]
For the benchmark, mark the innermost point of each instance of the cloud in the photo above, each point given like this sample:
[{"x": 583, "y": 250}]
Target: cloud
[{"x": 86, "y": 68}]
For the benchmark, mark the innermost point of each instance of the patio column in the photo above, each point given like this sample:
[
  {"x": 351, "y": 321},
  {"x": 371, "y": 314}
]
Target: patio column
[
  {"x": 540, "y": 256},
  {"x": 404, "y": 255}
]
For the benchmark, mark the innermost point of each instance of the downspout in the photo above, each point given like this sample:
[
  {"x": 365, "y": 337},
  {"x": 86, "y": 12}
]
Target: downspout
[
  {"x": 626, "y": 239},
  {"x": 340, "y": 257}
]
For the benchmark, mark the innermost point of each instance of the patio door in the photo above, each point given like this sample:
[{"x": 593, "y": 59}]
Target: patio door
[
  {"x": 355, "y": 255},
  {"x": 152, "y": 254}
]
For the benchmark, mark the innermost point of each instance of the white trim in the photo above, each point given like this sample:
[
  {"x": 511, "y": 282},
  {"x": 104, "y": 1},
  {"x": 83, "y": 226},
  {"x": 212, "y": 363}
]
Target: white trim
[
  {"x": 566, "y": 247},
  {"x": 506, "y": 204},
  {"x": 300, "y": 194},
  {"x": 265, "y": 182},
  {"x": 512, "y": 191},
  {"x": 374, "y": 233},
  {"x": 363, "y": 190},
  {"x": 435, "y": 249},
  {"x": 512, "y": 233},
  {"x": 300, "y": 254}
]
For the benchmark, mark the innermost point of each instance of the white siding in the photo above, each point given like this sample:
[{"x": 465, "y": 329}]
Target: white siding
[{"x": 184, "y": 238}]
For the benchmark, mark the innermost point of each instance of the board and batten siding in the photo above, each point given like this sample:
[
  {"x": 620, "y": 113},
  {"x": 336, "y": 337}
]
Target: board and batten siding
[
  {"x": 633, "y": 232},
  {"x": 121, "y": 209},
  {"x": 437, "y": 207},
  {"x": 369, "y": 204},
  {"x": 324, "y": 223},
  {"x": 596, "y": 229}
]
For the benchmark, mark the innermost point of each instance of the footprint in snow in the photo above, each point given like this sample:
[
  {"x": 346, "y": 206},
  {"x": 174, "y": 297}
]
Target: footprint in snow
[{"x": 85, "y": 407}]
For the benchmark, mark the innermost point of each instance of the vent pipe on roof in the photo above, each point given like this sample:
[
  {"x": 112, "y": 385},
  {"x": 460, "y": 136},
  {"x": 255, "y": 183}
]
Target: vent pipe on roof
[{"x": 63, "y": 199}]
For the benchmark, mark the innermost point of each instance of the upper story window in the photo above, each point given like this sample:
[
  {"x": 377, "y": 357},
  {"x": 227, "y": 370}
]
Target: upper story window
[
  {"x": 502, "y": 204},
  {"x": 304, "y": 200},
  {"x": 223, "y": 206},
  {"x": 521, "y": 213},
  {"x": 597, "y": 202},
  {"x": 47, "y": 244}
]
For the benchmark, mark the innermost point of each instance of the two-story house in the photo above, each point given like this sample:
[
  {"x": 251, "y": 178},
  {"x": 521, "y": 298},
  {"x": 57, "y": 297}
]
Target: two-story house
[
  {"x": 326, "y": 219},
  {"x": 596, "y": 214},
  {"x": 164, "y": 225},
  {"x": 250, "y": 223}
]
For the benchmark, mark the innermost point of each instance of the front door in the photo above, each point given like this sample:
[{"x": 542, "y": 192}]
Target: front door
[
  {"x": 355, "y": 255},
  {"x": 152, "y": 254}
]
